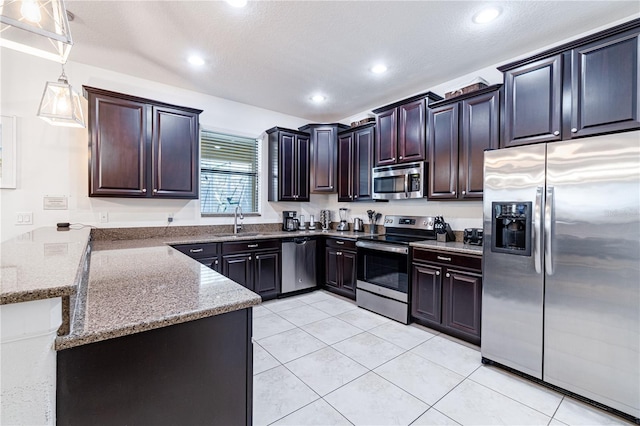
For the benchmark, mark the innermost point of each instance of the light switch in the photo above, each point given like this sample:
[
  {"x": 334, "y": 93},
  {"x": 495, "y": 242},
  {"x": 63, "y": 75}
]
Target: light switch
[{"x": 24, "y": 218}]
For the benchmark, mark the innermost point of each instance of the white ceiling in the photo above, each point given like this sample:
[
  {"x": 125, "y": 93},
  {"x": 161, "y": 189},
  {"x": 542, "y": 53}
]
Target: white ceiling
[{"x": 276, "y": 54}]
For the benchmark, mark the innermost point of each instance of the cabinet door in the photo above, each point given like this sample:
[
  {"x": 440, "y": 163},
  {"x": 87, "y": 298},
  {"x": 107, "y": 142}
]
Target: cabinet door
[
  {"x": 363, "y": 160},
  {"x": 443, "y": 152},
  {"x": 480, "y": 124},
  {"x": 426, "y": 293},
  {"x": 386, "y": 137},
  {"x": 211, "y": 262},
  {"x": 119, "y": 146},
  {"x": 533, "y": 97},
  {"x": 287, "y": 166},
  {"x": 302, "y": 169},
  {"x": 175, "y": 153},
  {"x": 266, "y": 274},
  {"x": 411, "y": 132},
  {"x": 323, "y": 159},
  {"x": 346, "y": 167},
  {"x": 237, "y": 267},
  {"x": 331, "y": 267},
  {"x": 461, "y": 302},
  {"x": 604, "y": 86},
  {"x": 349, "y": 269}
]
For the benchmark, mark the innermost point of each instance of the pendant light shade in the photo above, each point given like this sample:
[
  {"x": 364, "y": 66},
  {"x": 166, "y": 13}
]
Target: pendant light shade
[
  {"x": 60, "y": 105},
  {"x": 37, "y": 27}
]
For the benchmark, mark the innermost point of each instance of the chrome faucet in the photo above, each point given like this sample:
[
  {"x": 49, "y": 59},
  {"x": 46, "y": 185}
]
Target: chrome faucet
[{"x": 236, "y": 227}]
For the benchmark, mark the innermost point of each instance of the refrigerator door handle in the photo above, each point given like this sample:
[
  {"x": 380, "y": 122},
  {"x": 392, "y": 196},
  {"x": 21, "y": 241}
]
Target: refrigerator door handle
[
  {"x": 549, "y": 218},
  {"x": 537, "y": 231}
]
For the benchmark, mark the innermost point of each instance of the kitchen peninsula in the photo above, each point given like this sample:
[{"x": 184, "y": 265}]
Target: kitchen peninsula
[{"x": 150, "y": 335}]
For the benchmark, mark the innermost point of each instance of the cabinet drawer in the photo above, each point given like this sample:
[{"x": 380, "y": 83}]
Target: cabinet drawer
[
  {"x": 447, "y": 258},
  {"x": 198, "y": 251},
  {"x": 245, "y": 246},
  {"x": 341, "y": 244}
]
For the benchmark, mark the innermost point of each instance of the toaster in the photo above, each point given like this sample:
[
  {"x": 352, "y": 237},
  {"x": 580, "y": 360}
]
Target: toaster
[{"x": 473, "y": 236}]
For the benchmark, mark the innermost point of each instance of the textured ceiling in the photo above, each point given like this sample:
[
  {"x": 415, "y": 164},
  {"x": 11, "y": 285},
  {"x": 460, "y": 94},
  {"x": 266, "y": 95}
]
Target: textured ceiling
[{"x": 276, "y": 54}]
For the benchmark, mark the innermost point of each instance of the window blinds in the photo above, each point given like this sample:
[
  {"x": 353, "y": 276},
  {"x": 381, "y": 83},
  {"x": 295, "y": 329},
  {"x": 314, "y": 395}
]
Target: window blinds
[{"x": 228, "y": 173}]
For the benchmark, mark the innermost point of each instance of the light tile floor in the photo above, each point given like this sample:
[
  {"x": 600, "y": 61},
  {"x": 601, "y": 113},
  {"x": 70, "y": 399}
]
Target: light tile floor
[{"x": 321, "y": 360}]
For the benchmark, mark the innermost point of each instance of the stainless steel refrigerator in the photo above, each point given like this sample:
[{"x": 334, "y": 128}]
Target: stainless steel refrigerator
[{"x": 561, "y": 272}]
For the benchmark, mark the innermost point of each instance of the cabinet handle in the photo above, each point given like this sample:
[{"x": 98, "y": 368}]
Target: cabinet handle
[
  {"x": 355, "y": 196},
  {"x": 437, "y": 272},
  {"x": 249, "y": 257},
  {"x": 448, "y": 259},
  {"x": 252, "y": 245},
  {"x": 400, "y": 157},
  {"x": 574, "y": 130},
  {"x": 338, "y": 253},
  {"x": 340, "y": 242},
  {"x": 454, "y": 192},
  {"x": 216, "y": 262},
  {"x": 155, "y": 191},
  {"x": 464, "y": 192},
  {"x": 199, "y": 250},
  {"x": 448, "y": 275},
  {"x": 556, "y": 133},
  {"x": 257, "y": 257},
  {"x": 393, "y": 159},
  {"x": 144, "y": 190}
]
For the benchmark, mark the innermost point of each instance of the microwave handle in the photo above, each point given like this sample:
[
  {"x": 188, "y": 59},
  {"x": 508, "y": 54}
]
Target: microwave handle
[{"x": 406, "y": 185}]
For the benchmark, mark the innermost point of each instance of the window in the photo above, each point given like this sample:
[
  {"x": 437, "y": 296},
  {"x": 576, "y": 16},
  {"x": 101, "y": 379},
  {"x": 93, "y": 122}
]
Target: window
[{"x": 228, "y": 173}]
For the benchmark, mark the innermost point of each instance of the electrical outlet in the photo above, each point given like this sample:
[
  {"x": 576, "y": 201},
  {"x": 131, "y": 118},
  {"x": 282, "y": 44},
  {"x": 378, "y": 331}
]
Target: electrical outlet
[
  {"x": 24, "y": 218},
  {"x": 104, "y": 217},
  {"x": 170, "y": 218}
]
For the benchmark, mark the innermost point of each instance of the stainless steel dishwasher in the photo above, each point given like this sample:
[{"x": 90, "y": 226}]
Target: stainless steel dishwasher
[{"x": 298, "y": 264}]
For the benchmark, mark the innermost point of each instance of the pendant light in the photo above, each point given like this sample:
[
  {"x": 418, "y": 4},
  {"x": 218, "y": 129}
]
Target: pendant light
[
  {"x": 60, "y": 105},
  {"x": 37, "y": 27}
]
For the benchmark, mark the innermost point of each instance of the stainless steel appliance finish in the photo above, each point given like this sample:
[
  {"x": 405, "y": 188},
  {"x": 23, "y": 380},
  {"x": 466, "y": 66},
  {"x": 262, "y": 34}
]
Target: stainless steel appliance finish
[
  {"x": 569, "y": 311},
  {"x": 298, "y": 264},
  {"x": 358, "y": 225},
  {"x": 289, "y": 220},
  {"x": 398, "y": 182},
  {"x": 383, "y": 265}
]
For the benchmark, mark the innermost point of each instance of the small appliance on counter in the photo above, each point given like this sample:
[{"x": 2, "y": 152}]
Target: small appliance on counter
[
  {"x": 312, "y": 223},
  {"x": 358, "y": 225},
  {"x": 443, "y": 230},
  {"x": 302, "y": 226},
  {"x": 289, "y": 221},
  {"x": 473, "y": 236},
  {"x": 325, "y": 219},
  {"x": 343, "y": 225}
]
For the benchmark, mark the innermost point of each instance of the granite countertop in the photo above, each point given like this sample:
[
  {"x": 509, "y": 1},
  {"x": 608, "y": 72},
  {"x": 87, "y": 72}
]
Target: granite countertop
[
  {"x": 42, "y": 264},
  {"x": 452, "y": 246},
  {"x": 139, "y": 285},
  {"x": 244, "y": 236}
]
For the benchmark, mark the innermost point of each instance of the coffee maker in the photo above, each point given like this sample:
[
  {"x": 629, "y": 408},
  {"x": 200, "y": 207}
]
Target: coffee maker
[{"x": 289, "y": 220}]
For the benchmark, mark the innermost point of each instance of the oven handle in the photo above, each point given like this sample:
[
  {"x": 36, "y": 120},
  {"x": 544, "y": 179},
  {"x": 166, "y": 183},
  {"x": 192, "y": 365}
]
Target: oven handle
[{"x": 390, "y": 248}]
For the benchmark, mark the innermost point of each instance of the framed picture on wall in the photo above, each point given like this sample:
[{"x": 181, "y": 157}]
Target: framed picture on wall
[{"x": 8, "y": 151}]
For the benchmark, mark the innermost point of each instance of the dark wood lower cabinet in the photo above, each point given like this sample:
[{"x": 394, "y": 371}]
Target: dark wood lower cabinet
[
  {"x": 341, "y": 267},
  {"x": 199, "y": 372},
  {"x": 447, "y": 296}
]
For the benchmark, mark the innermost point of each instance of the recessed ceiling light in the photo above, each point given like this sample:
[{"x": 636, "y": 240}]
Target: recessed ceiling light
[
  {"x": 318, "y": 98},
  {"x": 379, "y": 68},
  {"x": 196, "y": 60},
  {"x": 486, "y": 15},
  {"x": 237, "y": 3}
]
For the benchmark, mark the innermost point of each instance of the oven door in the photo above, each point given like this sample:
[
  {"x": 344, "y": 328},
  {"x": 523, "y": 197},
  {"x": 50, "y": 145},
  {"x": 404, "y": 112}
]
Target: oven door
[{"x": 383, "y": 269}]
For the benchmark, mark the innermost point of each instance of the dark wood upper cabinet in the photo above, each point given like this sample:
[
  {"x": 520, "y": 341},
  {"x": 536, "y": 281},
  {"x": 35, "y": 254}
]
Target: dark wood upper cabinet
[
  {"x": 411, "y": 131},
  {"x": 459, "y": 131},
  {"x": 323, "y": 155},
  {"x": 443, "y": 152},
  {"x": 288, "y": 165},
  {"x": 480, "y": 130},
  {"x": 533, "y": 95},
  {"x": 401, "y": 129},
  {"x": 583, "y": 88},
  {"x": 141, "y": 148},
  {"x": 355, "y": 161},
  {"x": 604, "y": 86}
]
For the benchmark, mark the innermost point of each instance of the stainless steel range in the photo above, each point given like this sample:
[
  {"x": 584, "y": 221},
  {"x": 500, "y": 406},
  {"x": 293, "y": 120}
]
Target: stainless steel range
[{"x": 383, "y": 265}]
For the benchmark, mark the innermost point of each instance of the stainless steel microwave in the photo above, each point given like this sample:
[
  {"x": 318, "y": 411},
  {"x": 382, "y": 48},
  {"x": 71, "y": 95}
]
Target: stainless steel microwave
[{"x": 399, "y": 182}]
